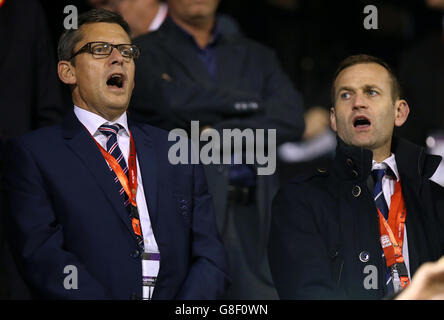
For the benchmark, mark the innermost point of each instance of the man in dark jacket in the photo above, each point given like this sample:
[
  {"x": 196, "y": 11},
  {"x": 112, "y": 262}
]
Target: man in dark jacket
[
  {"x": 192, "y": 68},
  {"x": 122, "y": 222},
  {"x": 360, "y": 229},
  {"x": 30, "y": 98}
]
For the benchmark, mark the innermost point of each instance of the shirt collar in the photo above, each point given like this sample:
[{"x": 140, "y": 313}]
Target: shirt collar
[
  {"x": 388, "y": 162},
  {"x": 159, "y": 18},
  {"x": 93, "y": 121}
]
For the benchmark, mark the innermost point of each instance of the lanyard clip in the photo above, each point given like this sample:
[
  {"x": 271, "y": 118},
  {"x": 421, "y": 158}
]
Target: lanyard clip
[{"x": 400, "y": 268}]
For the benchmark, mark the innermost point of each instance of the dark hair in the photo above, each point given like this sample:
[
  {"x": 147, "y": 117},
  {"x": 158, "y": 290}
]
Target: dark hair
[
  {"x": 364, "y": 58},
  {"x": 71, "y": 37}
]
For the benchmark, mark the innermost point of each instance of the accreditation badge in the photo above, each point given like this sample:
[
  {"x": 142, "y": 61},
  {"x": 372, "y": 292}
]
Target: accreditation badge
[{"x": 150, "y": 270}]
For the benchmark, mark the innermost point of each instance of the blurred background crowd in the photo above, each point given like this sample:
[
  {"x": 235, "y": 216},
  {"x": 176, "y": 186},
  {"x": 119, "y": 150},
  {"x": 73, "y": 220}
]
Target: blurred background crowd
[{"x": 309, "y": 38}]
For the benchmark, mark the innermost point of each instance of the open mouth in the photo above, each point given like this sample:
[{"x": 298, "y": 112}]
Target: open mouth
[
  {"x": 361, "y": 122},
  {"x": 116, "y": 80}
]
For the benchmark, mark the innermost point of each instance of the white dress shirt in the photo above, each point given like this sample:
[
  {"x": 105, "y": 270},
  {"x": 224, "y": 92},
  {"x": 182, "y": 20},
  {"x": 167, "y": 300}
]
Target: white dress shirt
[
  {"x": 388, "y": 188},
  {"x": 92, "y": 122},
  {"x": 159, "y": 18}
]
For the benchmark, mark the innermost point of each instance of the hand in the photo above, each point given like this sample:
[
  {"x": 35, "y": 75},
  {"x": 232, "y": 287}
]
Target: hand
[{"x": 427, "y": 283}]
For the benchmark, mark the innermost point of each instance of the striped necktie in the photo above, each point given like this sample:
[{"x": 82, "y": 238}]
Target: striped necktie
[
  {"x": 112, "y": 147},
  {"x": 378, "y": 194},
  {"x": 381, "y": 204}
]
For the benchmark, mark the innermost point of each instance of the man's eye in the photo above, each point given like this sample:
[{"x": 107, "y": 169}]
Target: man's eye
[
  {"x": 345, "y": 95},
  {"x": 127, "y": 52},
  {"x": 100, "y": 49},
  {"x": 372, "y": 93}
]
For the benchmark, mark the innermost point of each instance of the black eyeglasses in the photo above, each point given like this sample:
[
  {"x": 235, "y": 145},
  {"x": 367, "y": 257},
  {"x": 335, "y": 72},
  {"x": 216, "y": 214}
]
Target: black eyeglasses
[{"x": 104, "y": 49}]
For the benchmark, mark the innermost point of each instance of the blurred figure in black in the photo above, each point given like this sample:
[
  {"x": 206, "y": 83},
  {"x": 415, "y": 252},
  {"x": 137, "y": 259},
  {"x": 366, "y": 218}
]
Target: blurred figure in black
[
  {"x": 29, "y": 87},
  {"x": 305, "y": 36},
  {"x": 421, "y": 73},
  {"x": 30, "y": 95},
  {"x": 192, "y": 69}
]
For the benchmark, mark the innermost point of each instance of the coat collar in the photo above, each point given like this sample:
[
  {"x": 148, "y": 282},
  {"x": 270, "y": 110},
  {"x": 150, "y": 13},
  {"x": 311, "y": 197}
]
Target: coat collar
[{"x": 413, "y": 163}]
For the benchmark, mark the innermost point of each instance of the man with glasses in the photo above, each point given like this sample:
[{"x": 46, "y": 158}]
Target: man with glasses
[{"x": 94, "y": 208}]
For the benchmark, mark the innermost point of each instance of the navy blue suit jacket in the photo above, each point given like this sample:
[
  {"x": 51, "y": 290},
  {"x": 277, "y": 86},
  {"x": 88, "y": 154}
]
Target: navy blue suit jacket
[{"x": 63, "y": 208}]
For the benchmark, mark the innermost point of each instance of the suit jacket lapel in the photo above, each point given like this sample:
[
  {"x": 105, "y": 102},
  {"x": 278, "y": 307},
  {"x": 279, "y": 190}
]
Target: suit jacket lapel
[
  {"x": 148, "y": 163},
  {"x": 78, "y": 139}
]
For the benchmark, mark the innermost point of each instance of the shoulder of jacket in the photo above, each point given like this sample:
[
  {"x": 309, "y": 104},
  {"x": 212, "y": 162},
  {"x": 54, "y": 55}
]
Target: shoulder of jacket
[
  {"x": 149, "y": 40},
  {"x": 42, "y": 135},
  {"x": 314, "y": 174}
]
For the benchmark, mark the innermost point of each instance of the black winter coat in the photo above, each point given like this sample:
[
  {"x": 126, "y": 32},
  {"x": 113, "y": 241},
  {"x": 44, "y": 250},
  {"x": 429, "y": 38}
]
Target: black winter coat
[{"x": 323, "y": 223}]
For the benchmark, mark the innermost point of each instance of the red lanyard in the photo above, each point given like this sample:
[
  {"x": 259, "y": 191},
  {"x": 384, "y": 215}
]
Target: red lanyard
[
  {"x": 129, "y": 185},
  {"x": 392, "y": 232}
]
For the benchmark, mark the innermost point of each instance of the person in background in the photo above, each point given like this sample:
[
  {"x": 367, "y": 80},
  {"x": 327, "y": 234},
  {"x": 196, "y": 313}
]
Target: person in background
[
  {"x": 194, "y": 69},
  {"x": 30, "y": 98},
  {"x": 143, "y": 16},
  {"x": 421, "y": 69}
]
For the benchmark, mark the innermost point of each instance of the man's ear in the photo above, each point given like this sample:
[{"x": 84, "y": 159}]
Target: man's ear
[
  {"x": 402, "y": 111},
  {"x": 66, "y": 72},
  {"x": 333, "y": 119}
]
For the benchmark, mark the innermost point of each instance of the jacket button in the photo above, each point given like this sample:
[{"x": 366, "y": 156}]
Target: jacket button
[
  {"x": 364, "y": 256},
  {"x": 135, "y": 254},
  {"x": 356, "y": 191},
  {"x": 349, "y": 162},
  {"x": 355, "y": 173},
  {"x": 322, "y": 170}
]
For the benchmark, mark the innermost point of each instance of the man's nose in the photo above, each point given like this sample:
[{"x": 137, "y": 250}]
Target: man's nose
[
  {"x": 116, "y": 57},
  {"x": 359, "y": 101}
]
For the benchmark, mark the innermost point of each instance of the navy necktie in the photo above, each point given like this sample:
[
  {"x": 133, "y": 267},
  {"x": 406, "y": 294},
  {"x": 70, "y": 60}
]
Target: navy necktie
[
  {"x": 112, "y": 147},
  {"x": 381, "y": 204},
  {"x": 378, "y": 194}
]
